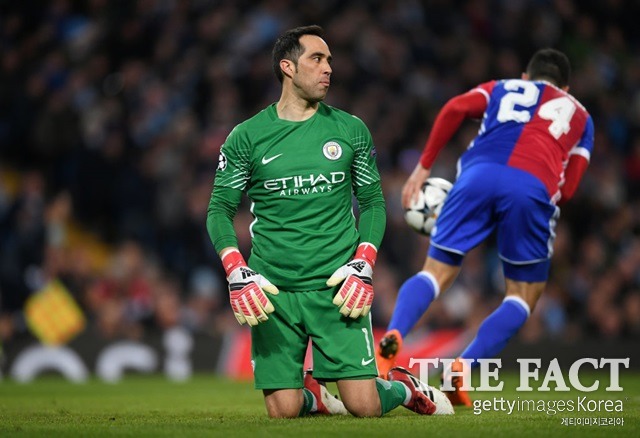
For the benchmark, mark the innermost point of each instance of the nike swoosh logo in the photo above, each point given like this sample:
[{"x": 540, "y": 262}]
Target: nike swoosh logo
[
  {"x": 266, "y": 160},
  {"x": 367, "y": 362}
]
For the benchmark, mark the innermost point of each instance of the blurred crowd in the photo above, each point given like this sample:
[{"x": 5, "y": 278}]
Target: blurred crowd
[{"x": 112, "y": 114}]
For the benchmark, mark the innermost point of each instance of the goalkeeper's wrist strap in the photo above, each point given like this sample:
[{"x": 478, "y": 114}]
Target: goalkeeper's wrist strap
[
  {"x": 367, "y": 252},
  {"x": 231, "y": 260}
]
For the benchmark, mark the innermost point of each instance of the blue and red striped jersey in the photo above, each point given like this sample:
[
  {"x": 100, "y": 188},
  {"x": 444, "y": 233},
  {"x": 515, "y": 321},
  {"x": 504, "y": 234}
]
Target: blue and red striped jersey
[{"x": 531, "y": 125}]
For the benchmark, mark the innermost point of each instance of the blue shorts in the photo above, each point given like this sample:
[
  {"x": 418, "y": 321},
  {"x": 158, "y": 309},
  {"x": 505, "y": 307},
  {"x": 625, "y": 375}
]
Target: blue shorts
[{"x": 491, "y": 196}]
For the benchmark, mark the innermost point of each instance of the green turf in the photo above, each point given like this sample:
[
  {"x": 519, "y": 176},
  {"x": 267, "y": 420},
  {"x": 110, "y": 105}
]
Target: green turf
[{"x": 207, "y": 406}]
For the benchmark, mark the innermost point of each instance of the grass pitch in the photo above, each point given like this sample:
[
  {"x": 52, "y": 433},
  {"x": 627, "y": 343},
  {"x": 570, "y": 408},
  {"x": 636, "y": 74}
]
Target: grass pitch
[{"x": 208, "y": 406}]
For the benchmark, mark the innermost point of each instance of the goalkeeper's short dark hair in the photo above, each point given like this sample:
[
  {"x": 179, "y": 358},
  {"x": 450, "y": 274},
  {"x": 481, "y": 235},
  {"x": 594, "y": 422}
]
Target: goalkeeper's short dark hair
[
  {"x": 288, "y": 46},
  {"x": 551, "y": 65}
]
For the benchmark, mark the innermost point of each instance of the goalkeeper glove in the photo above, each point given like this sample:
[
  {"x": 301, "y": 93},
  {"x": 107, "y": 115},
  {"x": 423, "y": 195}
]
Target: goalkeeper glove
[
  {"x": 247, "y": 290},
  {"x": 356, "y": 293}
]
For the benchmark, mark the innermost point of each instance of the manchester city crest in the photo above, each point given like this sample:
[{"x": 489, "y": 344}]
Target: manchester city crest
[{"x": 332, "y": 150}]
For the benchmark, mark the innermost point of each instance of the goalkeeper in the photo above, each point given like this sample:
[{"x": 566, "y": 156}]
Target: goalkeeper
[{"x": 309, "y": 274}]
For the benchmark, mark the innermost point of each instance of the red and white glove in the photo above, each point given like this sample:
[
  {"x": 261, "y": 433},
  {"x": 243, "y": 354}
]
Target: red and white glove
[
  {"x": 247, "y": 290},
  {"x": 356, "y": 293}
]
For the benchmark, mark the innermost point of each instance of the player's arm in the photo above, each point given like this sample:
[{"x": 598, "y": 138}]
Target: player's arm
[
  {"x": 246, "y": 287},
  {"x": 469, "y": 105},
  {"x": 223, "y": 207},
  {"x": 578, "y": 162},
  {"x": 573, "y": 174},
  {"x": 373, "y": 213},
  {"x": 355, "y": 296}
]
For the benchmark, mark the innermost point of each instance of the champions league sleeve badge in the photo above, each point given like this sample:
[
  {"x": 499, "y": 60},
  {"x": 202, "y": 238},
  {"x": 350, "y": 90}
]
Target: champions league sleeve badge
[{"x": 222, "y": 161}]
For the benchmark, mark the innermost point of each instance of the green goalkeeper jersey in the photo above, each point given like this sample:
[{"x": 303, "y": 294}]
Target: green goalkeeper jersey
[{"x": 300, "y": 177}]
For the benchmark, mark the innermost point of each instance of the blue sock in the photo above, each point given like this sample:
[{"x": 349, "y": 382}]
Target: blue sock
[
  {"x": 497, "y": 329},
  {"x": 415, "y": 296}
]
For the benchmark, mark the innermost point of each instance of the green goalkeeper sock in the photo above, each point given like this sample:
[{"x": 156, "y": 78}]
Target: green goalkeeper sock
[
  {"x": 392, "y": 394},
  {"x": 308, "y": 400}
]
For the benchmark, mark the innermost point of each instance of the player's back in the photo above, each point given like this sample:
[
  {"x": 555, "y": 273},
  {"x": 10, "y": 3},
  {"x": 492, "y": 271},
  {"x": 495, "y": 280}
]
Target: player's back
[{"x": 530, "y": 125}]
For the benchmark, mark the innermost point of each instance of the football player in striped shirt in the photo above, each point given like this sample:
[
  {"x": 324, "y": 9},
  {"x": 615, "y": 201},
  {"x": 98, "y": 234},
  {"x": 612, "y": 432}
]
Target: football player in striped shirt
[{"x": 533, "y": 146}]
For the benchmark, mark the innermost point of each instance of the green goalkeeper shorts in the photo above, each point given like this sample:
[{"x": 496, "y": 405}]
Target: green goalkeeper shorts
[{"x": 342, "y": 347}]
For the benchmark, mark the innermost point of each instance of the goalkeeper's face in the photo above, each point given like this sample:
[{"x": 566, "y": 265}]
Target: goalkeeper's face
[{"x": 312, "y": 75}]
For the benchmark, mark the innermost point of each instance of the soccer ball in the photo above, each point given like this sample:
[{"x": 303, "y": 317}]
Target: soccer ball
[{"x": 422, "y": 214}]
